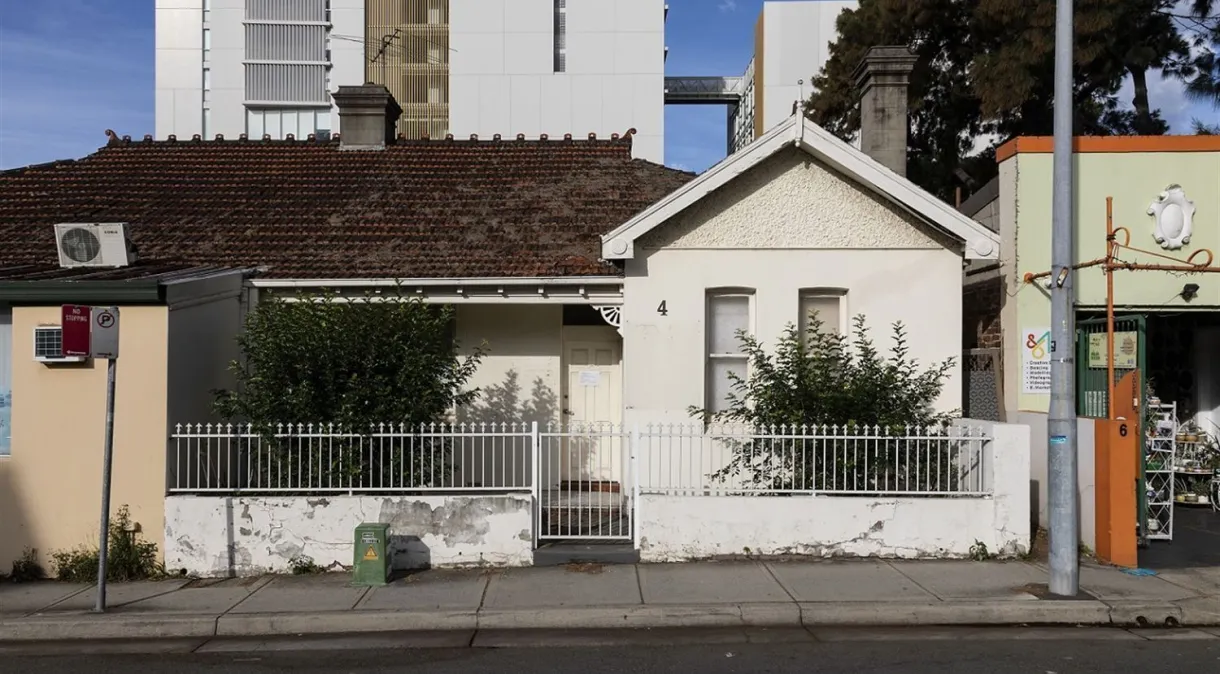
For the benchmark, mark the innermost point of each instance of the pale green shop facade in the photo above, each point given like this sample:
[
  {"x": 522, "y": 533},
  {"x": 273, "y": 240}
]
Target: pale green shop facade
[{"x": 1178, "y": 312}]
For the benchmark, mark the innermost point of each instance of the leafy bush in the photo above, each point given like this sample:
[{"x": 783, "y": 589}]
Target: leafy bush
[
  {"x": 303, "y": 565},
  {"x": 26, "y": 567},
  {"x": 128, "y": 557},
  {"x": 353, "y": 364},
  {"x": 821, "y": 378}
]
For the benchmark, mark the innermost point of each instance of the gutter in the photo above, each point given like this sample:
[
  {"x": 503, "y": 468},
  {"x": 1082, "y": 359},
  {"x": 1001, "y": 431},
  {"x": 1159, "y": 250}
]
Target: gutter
[
  {"x": 435, "y": 282},
  {"x": 91, "y": 292}
]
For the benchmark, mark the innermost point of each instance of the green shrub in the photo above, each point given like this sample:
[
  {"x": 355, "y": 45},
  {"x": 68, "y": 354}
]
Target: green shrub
[
  {"x": 26, "y": 567},
  {"x": 347, "y": 366},
  {"x": 303, "y": 565},
  {"x": 128, "y": 557},
  {"x": 820, "y": 378}
]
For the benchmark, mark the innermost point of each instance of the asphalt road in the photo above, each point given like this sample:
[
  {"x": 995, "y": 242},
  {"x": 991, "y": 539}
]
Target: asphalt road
[{"x": 1062, "y": 651}]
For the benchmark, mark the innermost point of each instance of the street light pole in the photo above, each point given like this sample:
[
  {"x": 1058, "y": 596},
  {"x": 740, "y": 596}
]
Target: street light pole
[{"x": 1061, "y": 422}]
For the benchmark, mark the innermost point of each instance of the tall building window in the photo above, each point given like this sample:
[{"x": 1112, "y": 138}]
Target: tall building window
[
  {"x": 728, "y": 313},
  {"x": 830, "y": 307},
  {"x": 561, "y": 36}
]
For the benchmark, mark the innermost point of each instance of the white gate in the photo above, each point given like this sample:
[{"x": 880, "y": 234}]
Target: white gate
[{"x": 584, "y": 483}]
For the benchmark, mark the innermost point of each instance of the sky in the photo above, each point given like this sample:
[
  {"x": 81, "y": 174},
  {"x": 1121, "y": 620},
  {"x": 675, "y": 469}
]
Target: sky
[{"x": 70, "y": 69}]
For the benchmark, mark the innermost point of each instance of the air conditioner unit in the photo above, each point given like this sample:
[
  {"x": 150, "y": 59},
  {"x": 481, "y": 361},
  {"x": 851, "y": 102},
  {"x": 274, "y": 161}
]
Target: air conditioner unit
[
  {"x": 93, "y": 244},
  {"x": 49, "y": 346}
]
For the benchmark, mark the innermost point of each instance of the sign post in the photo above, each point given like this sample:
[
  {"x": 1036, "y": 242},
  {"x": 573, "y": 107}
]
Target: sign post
[{"x": 94, "y": 332}]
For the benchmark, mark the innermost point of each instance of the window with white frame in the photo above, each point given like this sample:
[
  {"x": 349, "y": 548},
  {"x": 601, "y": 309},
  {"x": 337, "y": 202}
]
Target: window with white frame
[
  {"x": 728, "y": 313},
  {"x": 830, "y": 307}
]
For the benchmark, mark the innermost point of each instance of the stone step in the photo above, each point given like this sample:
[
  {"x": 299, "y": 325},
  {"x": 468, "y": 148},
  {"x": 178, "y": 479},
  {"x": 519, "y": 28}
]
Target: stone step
[{"x": 559, "y": 553}]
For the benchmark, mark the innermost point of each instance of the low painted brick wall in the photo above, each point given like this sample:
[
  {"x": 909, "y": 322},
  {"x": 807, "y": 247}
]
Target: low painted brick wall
[
  {"x": 682, "y": 528},
  {"x": 221, "y": 535}
]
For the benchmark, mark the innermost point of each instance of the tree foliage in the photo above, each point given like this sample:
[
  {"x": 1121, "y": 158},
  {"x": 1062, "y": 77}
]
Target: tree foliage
[
  {"x": 322, "y": 359},
  {"x": 349, "y": 369},
  {"x": 819, "y": 379},
  {"x": 985, "y": 70}
]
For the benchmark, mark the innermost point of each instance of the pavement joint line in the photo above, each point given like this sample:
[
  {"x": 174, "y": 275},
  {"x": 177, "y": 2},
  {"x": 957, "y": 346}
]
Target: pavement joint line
[
  {"x": 241, "y": 601},
  {"x": 478, "y": 610},
  {"x": 771, "y": 572},
  {"x": 917, "y": 583},
  {"x": 59, "y": 601},
  {"x": 151, "y": 596},
  {"x": 364, "y": 594},
  {"x": 639, "y": 584}
]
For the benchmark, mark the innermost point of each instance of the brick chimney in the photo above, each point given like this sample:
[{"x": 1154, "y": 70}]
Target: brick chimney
[
  {"x": 883, "y": 77},
  {"x": 368, "y": 115}
]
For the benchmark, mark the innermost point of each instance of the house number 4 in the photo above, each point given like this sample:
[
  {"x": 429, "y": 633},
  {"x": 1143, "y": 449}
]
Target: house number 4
[{"x": 661, "y": 309}]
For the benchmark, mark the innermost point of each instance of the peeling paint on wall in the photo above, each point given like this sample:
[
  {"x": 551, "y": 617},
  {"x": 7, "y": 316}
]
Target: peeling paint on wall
[
  {"x": 222, "y": 536},
  {"x": 682, "y": 528}
]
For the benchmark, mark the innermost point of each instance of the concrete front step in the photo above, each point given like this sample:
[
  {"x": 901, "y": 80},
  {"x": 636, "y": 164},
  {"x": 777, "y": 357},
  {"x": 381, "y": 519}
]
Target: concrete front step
[{"x": 560, "y": 553}]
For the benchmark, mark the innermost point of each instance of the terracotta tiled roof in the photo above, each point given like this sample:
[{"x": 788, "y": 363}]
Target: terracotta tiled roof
[{"x": 308, "y": 210}]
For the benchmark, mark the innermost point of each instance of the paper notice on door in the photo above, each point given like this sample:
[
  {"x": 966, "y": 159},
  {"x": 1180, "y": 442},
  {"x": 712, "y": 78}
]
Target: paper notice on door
[{"x": 590, "y": 378}]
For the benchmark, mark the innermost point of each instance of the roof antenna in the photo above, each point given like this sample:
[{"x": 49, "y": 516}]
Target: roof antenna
[{"x": 386, "y": 41}]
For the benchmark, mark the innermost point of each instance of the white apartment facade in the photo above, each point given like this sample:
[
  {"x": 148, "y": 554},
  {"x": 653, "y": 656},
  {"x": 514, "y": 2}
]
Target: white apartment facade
[
  {"x": 485, "y": 67},
  {"x": 791, "y": 44}
]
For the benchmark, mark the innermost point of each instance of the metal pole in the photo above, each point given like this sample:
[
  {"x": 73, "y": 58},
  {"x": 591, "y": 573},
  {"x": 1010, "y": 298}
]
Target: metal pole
[
  {"x": 1061, "y": 423},
  {"x": 1110, "y": 386},
  {"x": 107, "y": 456}
]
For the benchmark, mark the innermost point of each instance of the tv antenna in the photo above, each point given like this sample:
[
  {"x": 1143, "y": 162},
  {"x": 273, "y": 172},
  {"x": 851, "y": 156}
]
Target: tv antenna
[{"x": 386, "y": 41}]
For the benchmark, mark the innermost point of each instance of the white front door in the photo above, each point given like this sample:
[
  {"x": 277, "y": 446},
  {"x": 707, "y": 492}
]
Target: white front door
[{"x": 593, "y": 363}]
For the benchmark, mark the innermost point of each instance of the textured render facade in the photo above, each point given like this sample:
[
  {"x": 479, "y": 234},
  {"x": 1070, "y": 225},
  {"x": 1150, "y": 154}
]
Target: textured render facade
[{"x": 464, "y": 67}]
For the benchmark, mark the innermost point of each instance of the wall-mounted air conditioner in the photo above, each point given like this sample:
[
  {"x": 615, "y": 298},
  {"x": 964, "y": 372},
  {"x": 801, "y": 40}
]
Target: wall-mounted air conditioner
[
  {"x": 93, "y": 244},
  {"x": 49, "y": 346}
]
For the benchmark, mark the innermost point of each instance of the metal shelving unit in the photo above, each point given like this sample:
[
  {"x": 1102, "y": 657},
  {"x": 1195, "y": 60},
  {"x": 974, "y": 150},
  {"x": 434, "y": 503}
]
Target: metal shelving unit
[{"x": 1160, "y": 451}]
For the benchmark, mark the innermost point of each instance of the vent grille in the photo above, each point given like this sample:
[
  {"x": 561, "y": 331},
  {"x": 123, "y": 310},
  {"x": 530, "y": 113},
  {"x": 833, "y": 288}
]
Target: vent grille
[
  {"x": 286, "y": 83},
  {"x": 286, "y": 10},
  {"x": 48, "y": 343},
  {"x": 285, "y": 42}
]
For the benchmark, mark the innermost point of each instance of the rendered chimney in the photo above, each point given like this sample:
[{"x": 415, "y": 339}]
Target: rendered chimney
[
  {"x": 883, "y": 77},
  {"x": 368, "y": 115}
]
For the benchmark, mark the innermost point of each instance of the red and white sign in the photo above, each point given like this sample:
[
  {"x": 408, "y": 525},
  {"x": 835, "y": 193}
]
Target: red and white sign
[{"x": 77, "y": 324}]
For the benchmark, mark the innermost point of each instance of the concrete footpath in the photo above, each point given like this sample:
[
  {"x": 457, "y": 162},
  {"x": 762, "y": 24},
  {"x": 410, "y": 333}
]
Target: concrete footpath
[{"x": 707, "y": 594}]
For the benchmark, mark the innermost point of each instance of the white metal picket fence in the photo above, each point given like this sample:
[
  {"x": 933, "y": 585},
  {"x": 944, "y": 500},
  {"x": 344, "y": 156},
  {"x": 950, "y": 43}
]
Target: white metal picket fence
[{"x": 585, "y": 478}]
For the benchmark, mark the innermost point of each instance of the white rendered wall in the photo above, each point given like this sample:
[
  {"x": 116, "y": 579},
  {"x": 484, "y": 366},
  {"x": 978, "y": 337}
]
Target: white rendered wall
[
  {"x": 245, "y": 536},
  {"x": 178, "y": 80},
  {"x": 681, "y": 528},
  {"x": 347, "y": 56},
  {"x": 503, "y": 79},
  {"x": 796, "y": 44},
  {"x": 226, "y": 99}
]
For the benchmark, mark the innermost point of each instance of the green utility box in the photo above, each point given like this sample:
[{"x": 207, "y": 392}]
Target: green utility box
[{"x": 371, "y": 563}]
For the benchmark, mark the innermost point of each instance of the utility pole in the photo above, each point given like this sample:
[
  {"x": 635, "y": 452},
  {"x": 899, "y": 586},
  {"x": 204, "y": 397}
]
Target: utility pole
[{"x": 1061, "y": 421}]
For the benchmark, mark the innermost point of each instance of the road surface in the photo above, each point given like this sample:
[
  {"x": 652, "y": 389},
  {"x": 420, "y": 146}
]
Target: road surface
[{"x": 1039, "y": 651}]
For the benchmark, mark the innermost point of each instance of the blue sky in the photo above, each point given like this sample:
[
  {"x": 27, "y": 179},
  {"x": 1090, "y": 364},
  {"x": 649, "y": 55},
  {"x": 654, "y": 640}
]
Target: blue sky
[{"x": 70, "y": 69}]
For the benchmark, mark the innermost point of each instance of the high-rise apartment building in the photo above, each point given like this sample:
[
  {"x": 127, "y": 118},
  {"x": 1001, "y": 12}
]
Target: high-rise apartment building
[
  {"x": 791, "y": 44},
  {"x": 464, "y": 67}
]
